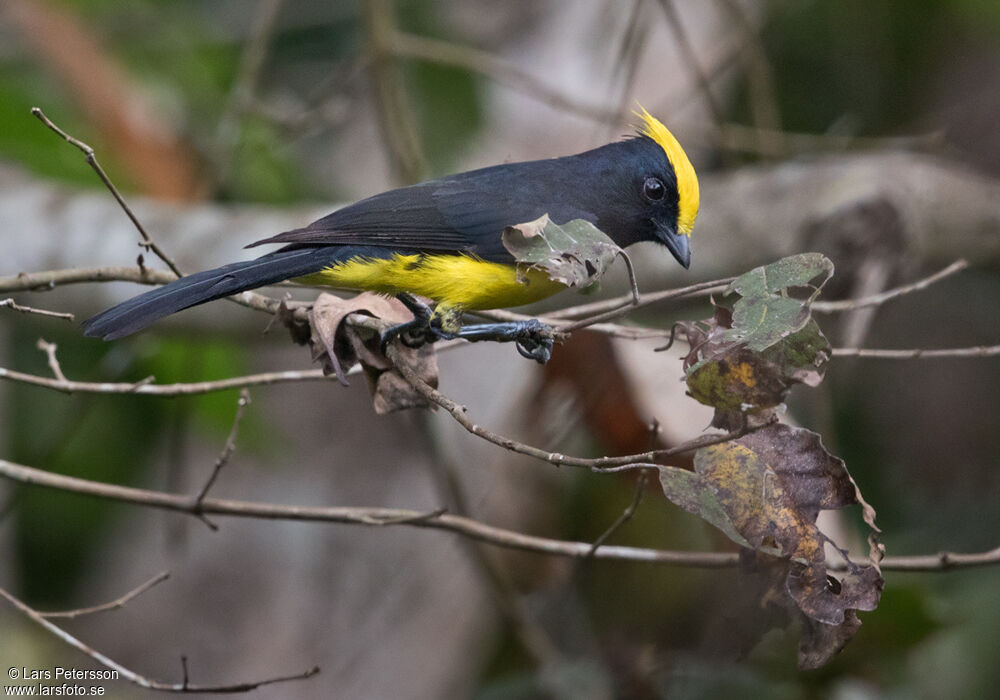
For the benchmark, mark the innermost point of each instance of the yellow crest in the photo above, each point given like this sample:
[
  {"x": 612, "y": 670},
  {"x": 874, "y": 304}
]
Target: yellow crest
[{"x": 687, "y": 179}]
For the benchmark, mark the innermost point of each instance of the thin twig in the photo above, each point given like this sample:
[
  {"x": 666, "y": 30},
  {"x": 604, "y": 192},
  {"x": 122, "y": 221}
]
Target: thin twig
[
  {"x": 626, "y": 515},
  {"x": 115, "y": 604},
  {"x": 890, "y": 294},
  {"x": 50, "y": 279},
  {"x": 50, "y": 351},
  {"x": 920, "y": 353},
  {"x": 227, "y": 450},
  {"x": 595, "y": 313},
  {"x": 602, "y": 464},
  {"x": 14, "y": 306},
  {"x": 475, "y": 61},
  {"x": 740, "y": 138},
  {"x": 146, "y": 388},
  {"x": 760, "y": 80},
  {"x": 537, "y": 643},
  {"x": 625, "y": 300},
  {"x": 134, "y": 677},
  {"x": 633, "y": 283},
  {"x": 391, "y": 105},
  {"x": 241, "y": 96},
  {"x": 690, "y": 56},
  {"x": 943, "y": 561},
  {"x": 91, "y": 157},
  {"x": 626, "y": 62}
]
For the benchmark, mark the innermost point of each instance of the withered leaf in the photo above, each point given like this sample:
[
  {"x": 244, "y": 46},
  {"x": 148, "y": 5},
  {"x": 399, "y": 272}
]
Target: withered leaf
[
  {"x": 764, "y": 490},
  {"x": 338, "y": 345},
  {"x": 765, "y": 313},
  {"x": 727, "y": 374},
  {"x": 575, "y": 253}
]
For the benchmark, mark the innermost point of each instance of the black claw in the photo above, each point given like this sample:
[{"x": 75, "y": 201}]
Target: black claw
[{"x": 537, "y": 349}]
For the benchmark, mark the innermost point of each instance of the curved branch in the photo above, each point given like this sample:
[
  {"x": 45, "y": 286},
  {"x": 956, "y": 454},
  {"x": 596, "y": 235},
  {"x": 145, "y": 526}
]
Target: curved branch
[
  {"x": 115, "y": 604},
  {"x": 620, "y": 463},
  {"x": 132, "y": 676},
  {"x": 144, "y": 387},
  {"x": 50, "y": 279},
  {"x": 14, "y": 306},
  {"x": 439, "y": 520},
  {"x": 888, "y": 295},
  {"x": 91, "y": 158}
]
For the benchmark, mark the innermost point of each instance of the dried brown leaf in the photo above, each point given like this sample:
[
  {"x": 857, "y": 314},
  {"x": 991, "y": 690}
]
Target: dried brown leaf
[
  {"x": 338, "y": 345},
  {"x": 764, "y": 490}
]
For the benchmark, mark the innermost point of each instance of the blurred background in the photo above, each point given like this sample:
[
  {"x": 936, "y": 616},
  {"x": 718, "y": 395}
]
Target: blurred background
[{"x": 866, "y": 130}]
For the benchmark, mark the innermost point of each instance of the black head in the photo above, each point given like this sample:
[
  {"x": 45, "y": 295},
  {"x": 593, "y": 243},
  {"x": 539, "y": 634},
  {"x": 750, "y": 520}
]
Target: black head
[{"x": 653, "y": 192}]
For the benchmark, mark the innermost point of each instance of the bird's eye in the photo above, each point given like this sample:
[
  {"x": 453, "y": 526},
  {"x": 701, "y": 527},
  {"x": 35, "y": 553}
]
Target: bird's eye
[{"x": 653, "y": 188}]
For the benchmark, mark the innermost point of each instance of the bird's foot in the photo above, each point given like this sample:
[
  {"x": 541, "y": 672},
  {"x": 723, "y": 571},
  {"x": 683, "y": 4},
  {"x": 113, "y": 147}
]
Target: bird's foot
[
  {"x": 533, "y": 339},
  {"x": 415, "y": 333}
]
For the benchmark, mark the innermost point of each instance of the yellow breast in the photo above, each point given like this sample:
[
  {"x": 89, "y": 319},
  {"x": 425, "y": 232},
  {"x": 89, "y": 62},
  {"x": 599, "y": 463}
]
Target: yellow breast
[{"x": 451, "y": 280}]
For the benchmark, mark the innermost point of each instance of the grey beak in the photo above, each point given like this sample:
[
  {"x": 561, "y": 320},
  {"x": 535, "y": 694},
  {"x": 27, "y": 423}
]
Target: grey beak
[{"x": 678, "y": 244}]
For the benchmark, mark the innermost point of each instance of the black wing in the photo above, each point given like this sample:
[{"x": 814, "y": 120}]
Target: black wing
[{"x": 465, "y": 213}]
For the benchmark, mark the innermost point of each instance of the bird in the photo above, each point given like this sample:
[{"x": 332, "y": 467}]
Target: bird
[{"x": 442, "y": 240}]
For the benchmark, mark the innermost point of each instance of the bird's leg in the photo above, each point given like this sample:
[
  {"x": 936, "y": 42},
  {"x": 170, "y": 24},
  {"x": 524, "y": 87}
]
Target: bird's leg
[
  {"x": 532, "y": 338},
  {"x": 415, "y": 333}
]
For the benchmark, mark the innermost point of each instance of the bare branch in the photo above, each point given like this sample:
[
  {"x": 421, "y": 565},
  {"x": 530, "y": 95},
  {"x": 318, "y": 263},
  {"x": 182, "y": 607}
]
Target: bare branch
[
  {"x": 536, "y": 642},
  {"x": 50, "y": 350},
  {"x": 50, "y": 279},
  {"x": 227, "y": 450},
  {"x": 146, "y": 388},
  {"x": 37, "y": 281},
  {"x": 760, "y": 81},
  {"x": 628, "y": 55},
  {"x": 134, "y": 677},
  {"x": 608, "y": 464},
  {"x": 376, "y": 517},
  {"x": 626, "y": 515},
  {"x": 241, "y": 95},
  {"x": 147, "y": 241},
  {"x": 919, "y": 353},
  {"x": 388, "y": 92},
  {"x": 944, "y": 561},
  {"x": 691, "y": 58},
  {"x": 475, "y": 61},
  {"x": 888, "y": 295},
  {"x": 114, "y": 604},
  {"x": 781, "y": 143},
  {"x": 14, "y": 306},
  {"x": 608, "y": 308}
]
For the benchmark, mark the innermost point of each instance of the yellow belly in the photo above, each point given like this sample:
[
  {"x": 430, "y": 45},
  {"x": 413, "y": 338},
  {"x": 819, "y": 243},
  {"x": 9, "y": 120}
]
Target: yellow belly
[{"x": 451, "y": 280}]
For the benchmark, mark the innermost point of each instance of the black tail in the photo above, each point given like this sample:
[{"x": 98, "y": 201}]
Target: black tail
[{"x": 138, "y": 312}]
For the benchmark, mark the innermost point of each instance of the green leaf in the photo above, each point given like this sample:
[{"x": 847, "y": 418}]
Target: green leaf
[
  {"x": 575, "y": 253},
  {"x": 765, "y": 313}
]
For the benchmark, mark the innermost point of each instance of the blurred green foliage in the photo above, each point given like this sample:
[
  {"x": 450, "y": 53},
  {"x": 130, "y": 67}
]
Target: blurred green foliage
[{"x": 107, "y": 438}]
